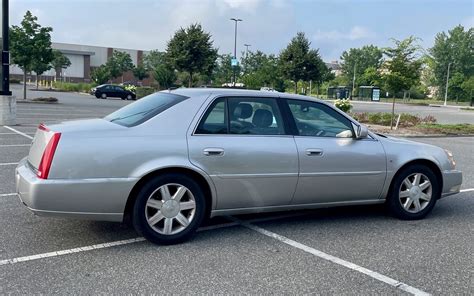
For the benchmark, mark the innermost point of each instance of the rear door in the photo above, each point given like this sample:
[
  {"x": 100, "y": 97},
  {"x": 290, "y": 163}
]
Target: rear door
[
  {"x": 243, "y": 144},
  {"x": 334, "y": 165}
]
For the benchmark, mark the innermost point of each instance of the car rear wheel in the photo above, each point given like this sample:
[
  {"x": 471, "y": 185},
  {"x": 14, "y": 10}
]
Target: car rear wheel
[
  {"x": 414, "y": 193},
  {"x": 129, "y": 97},
  {"x": 103, "y": 96},
  {"x": 169, "y": 209}
]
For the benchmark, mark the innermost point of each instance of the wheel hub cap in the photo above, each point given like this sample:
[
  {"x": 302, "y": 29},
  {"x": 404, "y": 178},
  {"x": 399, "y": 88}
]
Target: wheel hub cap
[
  {"x": 170, "y": 209},
  {"x": 415, "y": 193}
]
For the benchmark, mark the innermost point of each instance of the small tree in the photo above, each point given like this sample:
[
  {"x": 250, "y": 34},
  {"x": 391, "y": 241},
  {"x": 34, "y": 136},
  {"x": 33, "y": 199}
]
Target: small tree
[
  {"x": 119, "y": 63},
  {"x": 403, "y": 68},
  {"x": 140, "y": 72},
  {"x": 60, "y": 62},
  {"x": 101, "y": 74},
  {"x": 30, "y": 46},
  {"x": 190, "y": 50},
  {"x": 162, "y": 72}
]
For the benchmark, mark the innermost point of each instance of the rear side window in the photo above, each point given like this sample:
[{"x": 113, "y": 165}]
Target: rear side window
[{"x": 144, "y": 109}]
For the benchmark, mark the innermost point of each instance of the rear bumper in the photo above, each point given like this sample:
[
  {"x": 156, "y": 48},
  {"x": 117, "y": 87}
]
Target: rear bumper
[
  {"x": 95, "y": 199},
  {"x": 452, "y": 181}
]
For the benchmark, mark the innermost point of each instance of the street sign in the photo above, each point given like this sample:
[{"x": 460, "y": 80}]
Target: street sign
[
  {"x": 376, "y": 94},
  {"x": 234, "y": 62}
]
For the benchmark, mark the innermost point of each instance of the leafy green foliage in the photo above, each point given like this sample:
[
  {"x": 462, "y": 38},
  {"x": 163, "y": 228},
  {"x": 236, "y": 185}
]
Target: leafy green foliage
[
  {"x": 191, "y": 50},
  {"x": 455, "y": 47},
  {"x": 60, "y": 61},
  {"x": 30, "y": 46},
  {"x": 119, "y": 63},
  {"x": 366, "y": 61},
  {"x": 298, "y": 62},
  {"x": 73, "y": 87},
  {"x": 140, "y": 72},
  {"x": 261, "y": 70},
  {"x": 101, "y": 74},
  {"x": 343, "y": 105},
  {"x": 403, "y": 65},
  {"x": 161, "y": 69},
  {"x": 223, "y": 70}
]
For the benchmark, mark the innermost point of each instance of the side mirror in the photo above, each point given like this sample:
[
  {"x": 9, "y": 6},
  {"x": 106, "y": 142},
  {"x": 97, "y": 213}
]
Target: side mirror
[{"x": 362, "y": 132}]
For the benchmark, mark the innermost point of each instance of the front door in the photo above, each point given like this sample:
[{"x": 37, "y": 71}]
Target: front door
[
  {"x": 334, "y": 165},
  {"x": 242, "y": 143}
]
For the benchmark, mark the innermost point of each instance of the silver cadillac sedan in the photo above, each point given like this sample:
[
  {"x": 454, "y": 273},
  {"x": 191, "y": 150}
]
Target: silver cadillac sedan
[{"x": 177, "y": 157}]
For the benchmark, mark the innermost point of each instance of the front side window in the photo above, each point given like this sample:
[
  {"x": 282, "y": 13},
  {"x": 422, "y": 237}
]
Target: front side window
[
  {"x": 318, "y": 120},
  {"x": 144, "y": 109},
  {"x": 242, "y": 116}
]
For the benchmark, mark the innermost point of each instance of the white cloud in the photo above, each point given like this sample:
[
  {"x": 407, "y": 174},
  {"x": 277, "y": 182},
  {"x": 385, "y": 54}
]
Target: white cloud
[{"x": 355, "y": 33}]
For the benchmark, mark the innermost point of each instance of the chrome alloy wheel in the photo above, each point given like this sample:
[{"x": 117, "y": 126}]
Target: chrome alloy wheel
[
  {"x": 170, "y": 209},
  {"x": 415, "y": 193}
]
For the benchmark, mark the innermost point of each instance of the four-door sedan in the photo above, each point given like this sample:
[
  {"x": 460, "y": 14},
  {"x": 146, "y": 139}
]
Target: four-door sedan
[
  {"x": 189, "y": 154},
  {"x": 114, "y": 91}
]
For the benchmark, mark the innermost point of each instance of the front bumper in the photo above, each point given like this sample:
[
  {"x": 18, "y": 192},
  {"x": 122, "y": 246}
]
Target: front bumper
[
  {"x": 95, "y": 199},
  {"x": 452, "y": 181}
]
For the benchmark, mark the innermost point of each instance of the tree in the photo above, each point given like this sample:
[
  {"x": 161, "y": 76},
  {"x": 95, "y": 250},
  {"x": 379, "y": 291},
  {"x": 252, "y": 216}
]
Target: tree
[
  {"x": 468, "y": 88},
  {"x": 191, "y": 50},
  {"x": 360, "y": 59},
  {"x": 30, "y": 46},
  {"x": 60, "y": 61},
  {"x": 119, "y": 63},
  {"x": 101, "y": 74},
  {"x": 158, "y": 64},
  {"x": 140, "y": 72},
  {"x": 403, "y": 67},
  {"x": 455, "y": 47},
  {"x": 299, "y": 62},
  {"x": 223, "y": 71},
  {"x": 261, "y": 70}
]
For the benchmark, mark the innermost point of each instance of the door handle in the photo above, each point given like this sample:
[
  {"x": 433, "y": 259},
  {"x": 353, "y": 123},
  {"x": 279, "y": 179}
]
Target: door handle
[
  {"x": 314, "y": 152},
  {"x": 213, "y": 151}
]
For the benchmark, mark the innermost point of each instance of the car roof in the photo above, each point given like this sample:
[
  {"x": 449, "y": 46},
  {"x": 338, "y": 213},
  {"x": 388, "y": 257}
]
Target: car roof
[{"x": 203, "y": 91}]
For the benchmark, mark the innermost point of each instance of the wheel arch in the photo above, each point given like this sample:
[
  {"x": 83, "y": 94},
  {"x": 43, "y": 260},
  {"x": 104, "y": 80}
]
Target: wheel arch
[
  {"x": 425, "y": 162},
  {"x": 203, "y": 182}
]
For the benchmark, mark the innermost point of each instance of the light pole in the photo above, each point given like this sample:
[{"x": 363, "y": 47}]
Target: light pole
[
  {"x": 447, "y": 84},
  {"x": 234, "y": 63},
  {"x": 353, "y": 81},
  {"x": 7, "y": 101},
  {"x": 247, "y": 49}
]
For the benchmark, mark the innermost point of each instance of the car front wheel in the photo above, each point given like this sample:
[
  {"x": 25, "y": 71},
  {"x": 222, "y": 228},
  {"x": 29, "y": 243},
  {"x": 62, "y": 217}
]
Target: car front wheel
[
  {"x": 129, "y": 97},
  {"x": 169, "y": 209},
  {"x": 414, "y": 193},
  {"x": 104, "y": 96}
]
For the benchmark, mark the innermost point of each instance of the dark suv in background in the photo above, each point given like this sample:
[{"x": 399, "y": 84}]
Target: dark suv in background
[{"x": 114, "y": 91}]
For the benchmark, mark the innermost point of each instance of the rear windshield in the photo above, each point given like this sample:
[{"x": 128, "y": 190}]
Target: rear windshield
[{"x": 144, "y": 109}]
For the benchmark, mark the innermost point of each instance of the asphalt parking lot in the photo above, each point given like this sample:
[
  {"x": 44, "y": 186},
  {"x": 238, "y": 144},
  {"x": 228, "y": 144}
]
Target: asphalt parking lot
[{"x": 356, "y": 250}]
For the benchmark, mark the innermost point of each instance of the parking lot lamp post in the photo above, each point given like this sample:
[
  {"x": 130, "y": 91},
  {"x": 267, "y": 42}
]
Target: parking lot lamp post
[
  {"x": 247, "y": 49},
  {"x": 236, "y": 20},
  {"x": 7, "y": 101},
  {"x": 447, "y": 85}
]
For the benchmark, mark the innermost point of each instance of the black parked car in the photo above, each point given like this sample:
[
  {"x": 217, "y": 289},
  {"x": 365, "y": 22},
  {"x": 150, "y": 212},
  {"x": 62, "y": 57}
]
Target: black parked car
[{"x": 114, "y": 91}]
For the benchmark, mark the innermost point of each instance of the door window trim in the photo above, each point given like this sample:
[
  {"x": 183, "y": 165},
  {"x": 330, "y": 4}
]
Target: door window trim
[
  {"x": 279, "y": 104},
  {"x": 294, "y": 127}
]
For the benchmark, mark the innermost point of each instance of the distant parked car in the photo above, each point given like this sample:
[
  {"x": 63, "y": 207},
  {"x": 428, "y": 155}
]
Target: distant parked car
[{"x": 114, "y": 91}]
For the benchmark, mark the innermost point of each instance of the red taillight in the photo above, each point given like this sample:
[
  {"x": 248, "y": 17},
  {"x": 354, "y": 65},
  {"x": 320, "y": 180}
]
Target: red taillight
[
  {"x": 43, "y": 127},
  {"x": 48, "y": 154}
]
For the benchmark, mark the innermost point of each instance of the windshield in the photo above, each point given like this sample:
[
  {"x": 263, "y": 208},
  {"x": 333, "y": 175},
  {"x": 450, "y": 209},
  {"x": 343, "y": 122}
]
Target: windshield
[{"x": 144, "y": 109}]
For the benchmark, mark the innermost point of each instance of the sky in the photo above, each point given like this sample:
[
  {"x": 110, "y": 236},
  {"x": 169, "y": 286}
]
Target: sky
[{"x": 268, "y": 25}]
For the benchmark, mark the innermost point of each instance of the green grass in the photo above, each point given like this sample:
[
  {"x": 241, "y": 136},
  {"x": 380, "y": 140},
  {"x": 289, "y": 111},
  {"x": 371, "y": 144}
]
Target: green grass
[{"x": 458, "y": 129}]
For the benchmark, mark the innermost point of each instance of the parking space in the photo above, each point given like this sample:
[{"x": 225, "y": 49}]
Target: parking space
[{"x": 356, "y": 250}]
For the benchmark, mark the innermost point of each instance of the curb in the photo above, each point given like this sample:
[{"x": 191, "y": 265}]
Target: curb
[
  {"x": 429, "y": 136},
  {"x": 34, "y": 102}
]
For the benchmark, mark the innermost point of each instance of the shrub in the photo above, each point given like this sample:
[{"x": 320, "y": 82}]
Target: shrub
[
  {"x": 73, "y": 87},
  {"x": 15, "y": 81},
  {"x": 45, "y": 99},
  {"x": 144, "y": 91},
  {"x": 131, "y": 88},
  {"x": 344, "y": 105}
]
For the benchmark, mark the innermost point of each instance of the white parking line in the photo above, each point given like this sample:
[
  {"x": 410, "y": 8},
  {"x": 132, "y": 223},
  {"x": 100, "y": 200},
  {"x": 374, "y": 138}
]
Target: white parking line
[
  {"x": 8, "y": 163},
  {"x": 18, "y": 132},
  {"x": 7, "y": 194},
  {"x": 15, "y": 145},
  {"x": 71, "y": 251},
  {"x": 339, "y": 261},
  {"x": 467, "y": 190}
]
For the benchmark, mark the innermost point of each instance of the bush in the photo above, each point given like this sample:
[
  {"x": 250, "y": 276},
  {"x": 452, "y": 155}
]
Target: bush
[
  {"x": 45, "y": 99},
  {"x": 15, "y": 81},
  {"x": 73, "y": 87},
  {"x": 144, "y": 91},
  {"x": 344, "y": 105},
  {"x": 406, "y": 120}
]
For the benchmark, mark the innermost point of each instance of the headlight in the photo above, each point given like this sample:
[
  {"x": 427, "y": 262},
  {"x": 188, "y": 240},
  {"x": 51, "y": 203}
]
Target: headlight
[{"x": 451, "y": 158}]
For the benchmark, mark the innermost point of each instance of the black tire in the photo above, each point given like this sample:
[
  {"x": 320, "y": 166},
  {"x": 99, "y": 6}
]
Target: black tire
[
  {"x": 139, "y": 218},
  {"x": 129, "y": 97},
  {"x": 123, "y": 98},
  {"x": 97, "y": 96},
  {"x": 103, "y": 96},
  {"x": 394, "y": 202}
]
